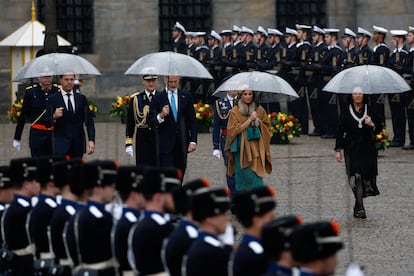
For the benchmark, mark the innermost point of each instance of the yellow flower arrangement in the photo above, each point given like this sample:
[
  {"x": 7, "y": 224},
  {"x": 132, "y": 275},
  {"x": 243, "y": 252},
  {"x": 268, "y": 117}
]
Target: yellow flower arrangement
[
  {"x": 204, "y": 113},
  {"x": 120, "y": 106},
  {"x": 93, "y": 108},
  {"x": 15, "y": 110},
  {"x": 382, "y": 140},
  {"x": 284, "y": 127}
]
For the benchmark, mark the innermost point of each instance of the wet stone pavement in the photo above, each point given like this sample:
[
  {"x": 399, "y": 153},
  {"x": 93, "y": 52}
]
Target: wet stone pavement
[{"x": 309, "y": 182}]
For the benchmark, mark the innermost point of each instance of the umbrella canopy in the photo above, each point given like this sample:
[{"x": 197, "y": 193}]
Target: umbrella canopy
[
  {"x": 57, "y": 64},
  {"x": 269, "y": 88},
  {"x": 372, "y": 79},
  {"x": 169, "y": 63}
]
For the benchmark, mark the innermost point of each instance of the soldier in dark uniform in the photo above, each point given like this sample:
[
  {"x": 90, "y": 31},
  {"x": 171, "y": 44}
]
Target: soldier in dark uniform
[
  {"x": 199, "y": 87},
  {"x": 397, "y": 61},
  {"x": 65, "y": 173},
  {"x": 35, "y": 110},
  {"x": 349, "y": 57},
  {"x": 145, "y": 143},
  {"x": 330, "y": 65},
  {"x": 249, "y": 51},
  {"x": 276, "y": 245},
  {"x": 254, "y": 208},
  {"x": 409, "y": 96},
  {"x": 127, "y": 184},
  {"x": 315, "y": 78},
  {"x": 6, "y": 193},
  {"x": 260, "y": 37},
  {"x": 42, "y": 212},
  {"x": 299, "y": 107},
  {"x": 365, "y": 55},
  {"x": 214, "y": 63},
  {"x": 177, "y": 244},
  {"x": 232, "y": 61},
  {"x": 93, "y": 224},
  {"x": 226, "y": 52},
  {"x": 208, "y": 255},
  {"x": 178, "y": 35},
  {"x": 146, "y": 237},
  {"x": 14, "y": 221},
  {"x": 271, "y": 61},
  {"x": 380, "y": 56},
  {"x": 222, "y": 109},
  {"x": 314, "y": 247}
]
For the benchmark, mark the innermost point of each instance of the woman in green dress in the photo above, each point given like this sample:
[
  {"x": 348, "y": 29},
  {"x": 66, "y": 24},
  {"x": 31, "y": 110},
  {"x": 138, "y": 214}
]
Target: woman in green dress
[{"x": 248, "y": 142}]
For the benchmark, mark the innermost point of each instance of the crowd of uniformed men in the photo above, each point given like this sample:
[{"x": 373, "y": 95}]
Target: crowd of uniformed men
[
  {"x": 61, "y": 220},
  {"x": 307, "y": 57}
]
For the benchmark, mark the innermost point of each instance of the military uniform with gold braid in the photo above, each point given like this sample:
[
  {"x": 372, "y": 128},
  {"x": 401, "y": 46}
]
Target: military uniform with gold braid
[
  {"x": 137, "y": 119},
  {"x": 35, "y": 111}
]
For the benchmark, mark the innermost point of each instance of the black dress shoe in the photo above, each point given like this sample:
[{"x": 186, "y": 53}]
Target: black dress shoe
[
  {"x": 328, "y": 136},
  {"x": 315, "y": 133},
  {"x": 409, "y": 147},
  {"x": 395, "y": 144}
]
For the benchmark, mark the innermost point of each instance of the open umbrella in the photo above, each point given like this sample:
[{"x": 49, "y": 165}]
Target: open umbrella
[
  {"x": 269, "y": 88},
  {"x": 57, "y": 64},
  {"x": 169, "y": 63},
  {"x": 372, "y": 79}
]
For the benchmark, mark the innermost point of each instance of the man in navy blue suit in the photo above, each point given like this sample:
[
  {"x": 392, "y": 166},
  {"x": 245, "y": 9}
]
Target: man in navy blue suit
[
  {"x": 71, "y": 111},
  {"x": 172, "y": 114}
]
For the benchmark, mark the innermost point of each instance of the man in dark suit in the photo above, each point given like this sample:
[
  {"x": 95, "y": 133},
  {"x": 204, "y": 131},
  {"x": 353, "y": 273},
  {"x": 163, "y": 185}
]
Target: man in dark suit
[
  {"x": 172, "y": 114},
  {"x": 70, "y": 113}
]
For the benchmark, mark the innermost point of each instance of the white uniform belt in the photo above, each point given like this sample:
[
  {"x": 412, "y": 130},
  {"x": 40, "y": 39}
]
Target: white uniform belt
[
  {"x": 65, "y": 262},
  {"x": 24, "y": 251},
  {"x": 128, "y": 273},
  {"x": 99, "y": 266},
  {"x": 46, "y": 255}
]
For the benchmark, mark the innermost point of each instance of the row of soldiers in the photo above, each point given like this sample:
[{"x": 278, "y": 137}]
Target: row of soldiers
[
  {"x": 79, "y": 233},
  {"x": 307, "y": 57}
]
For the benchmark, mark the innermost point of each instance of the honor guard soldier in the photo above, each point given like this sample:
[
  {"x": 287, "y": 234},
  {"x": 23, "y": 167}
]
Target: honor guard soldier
[
  {"x": 222, "y": 109},
  {"x": 178, "y": 35},
  {"x": 397, "y": 62},
  {"x": 274, "y": 54},
  {"x": 6, "y": 193},
  {"x": 65, "y": 172},
  {"x": 35, "y": 110},
  {"x": 330, "y": 65},
  {"x": 145, "y": 142},
  {"x": 177, "y": 244},
  {"x": 93, "y": 224},
  {"x": 380, "y": 56},
  {"x": 315, "y": 78},
  {"x": 299, "y": 107},
  {"x": 254, "y": 208},
  {"x": 409, "y": 97},
  {"x": 208, "y": 255},
  {"x": 214, "y": 58},
  {"x": 260, "y": 38},
  {"x": 146, "y": 237},
  {"x": 314, "y": 247},
  {"x": 201, "y": 53},
  {"x": 236, "y": 51},
  {"x": 14, "y": 221},
  {"x": 42, "y": 212},
  {"x": 350, "y": 54},
  {"x": 276, "y": 245},
  {"x": 365, "y": 55},
  {"x": 128, "y": 185},
  {"x": 226, "y": 52},
  {"x": 249, "y": 51},
  {"x": 348, "y": 58}
]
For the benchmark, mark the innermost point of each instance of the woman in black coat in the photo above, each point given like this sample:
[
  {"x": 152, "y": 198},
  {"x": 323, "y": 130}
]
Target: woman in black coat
[{"x": 357, "y": 128}]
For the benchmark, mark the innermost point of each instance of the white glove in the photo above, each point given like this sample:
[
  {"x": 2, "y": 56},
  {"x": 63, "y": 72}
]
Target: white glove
[
  {"x": 354, "y": 270},
  {"x": 16, "y": 144},
  {"x": 228, "y": 236},
  {"x": 129, "y": 151},
  {"x": 216, "y": 153}
]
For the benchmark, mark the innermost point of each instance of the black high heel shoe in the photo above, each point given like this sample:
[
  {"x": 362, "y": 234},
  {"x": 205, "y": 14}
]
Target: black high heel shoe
[{"x": 360, "y": 214}]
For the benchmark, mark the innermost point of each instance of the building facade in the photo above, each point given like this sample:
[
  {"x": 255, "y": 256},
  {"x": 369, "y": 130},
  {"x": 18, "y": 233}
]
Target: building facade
[{"x": 113, "y": 34}]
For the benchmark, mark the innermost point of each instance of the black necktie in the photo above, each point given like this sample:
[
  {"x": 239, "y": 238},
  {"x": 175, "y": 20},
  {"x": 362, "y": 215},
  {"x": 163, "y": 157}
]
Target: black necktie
[
  {"x": 150, "y": 96},
  {"x": 70, "y": 106}
]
